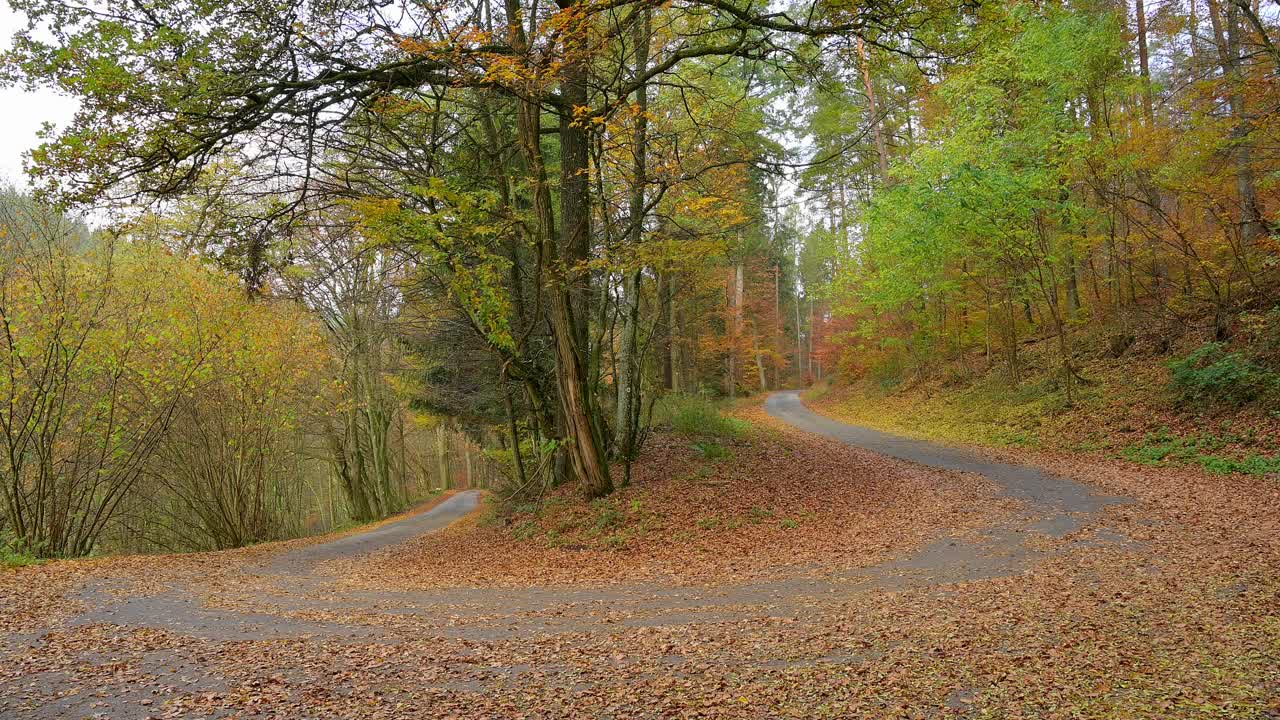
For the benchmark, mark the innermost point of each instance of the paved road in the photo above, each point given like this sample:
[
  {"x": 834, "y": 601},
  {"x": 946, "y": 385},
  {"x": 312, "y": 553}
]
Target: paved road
[
  {"x": 288, "y": 599},
  {"x": 1019, "y": 481},
  {"x": 1054, "y": 506}
]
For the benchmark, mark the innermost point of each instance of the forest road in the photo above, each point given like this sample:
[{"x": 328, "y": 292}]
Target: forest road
[
  {"x": 310, "y": 631},
  {"x": 1054, "y": 507},
  {"x": 1034, "y": 486}
]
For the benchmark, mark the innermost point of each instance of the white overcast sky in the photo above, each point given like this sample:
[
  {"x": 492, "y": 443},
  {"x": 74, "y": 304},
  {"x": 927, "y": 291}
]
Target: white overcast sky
[{"x": 22, "y": 113}]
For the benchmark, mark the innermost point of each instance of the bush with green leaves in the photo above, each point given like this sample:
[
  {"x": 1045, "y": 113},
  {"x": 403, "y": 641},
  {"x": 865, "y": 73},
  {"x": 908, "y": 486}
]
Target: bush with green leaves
[{"x": 1211, "y": 374}]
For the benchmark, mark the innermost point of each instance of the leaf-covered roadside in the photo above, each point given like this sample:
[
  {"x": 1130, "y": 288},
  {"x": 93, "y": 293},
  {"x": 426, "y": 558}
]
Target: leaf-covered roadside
[{"x": 775, "y": 500}]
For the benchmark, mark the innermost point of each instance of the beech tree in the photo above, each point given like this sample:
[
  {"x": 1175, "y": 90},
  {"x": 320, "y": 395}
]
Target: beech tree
[{"x": 290, "y": 91}]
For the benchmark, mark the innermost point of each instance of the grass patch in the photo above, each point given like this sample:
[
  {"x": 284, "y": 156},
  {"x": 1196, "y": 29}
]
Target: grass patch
[
  {"x": 607, "y": 514},
  {"x": 1161, "y": 448},
  {"x": 607, "y": 523},
  {"x": 712, "y": 450},
  {"x": 697, "y": 416},
  {"x": 13, "y": 555},
  {"x": 526, "y": 529},
  {"x": 992, "y": 411}
]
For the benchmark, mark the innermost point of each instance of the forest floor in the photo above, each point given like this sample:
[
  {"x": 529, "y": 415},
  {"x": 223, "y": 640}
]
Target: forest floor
[{"x": 788, "y": 572}]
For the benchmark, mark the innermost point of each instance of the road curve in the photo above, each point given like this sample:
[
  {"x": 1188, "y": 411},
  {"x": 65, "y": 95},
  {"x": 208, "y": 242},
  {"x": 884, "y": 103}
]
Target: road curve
[
  {"x": 1037, "y": 487},
  {"x": 386, "y": 535}
]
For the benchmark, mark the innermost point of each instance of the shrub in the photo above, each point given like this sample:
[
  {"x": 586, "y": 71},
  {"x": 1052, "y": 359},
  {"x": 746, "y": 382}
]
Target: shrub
[{"x": 1211, "y": 374}]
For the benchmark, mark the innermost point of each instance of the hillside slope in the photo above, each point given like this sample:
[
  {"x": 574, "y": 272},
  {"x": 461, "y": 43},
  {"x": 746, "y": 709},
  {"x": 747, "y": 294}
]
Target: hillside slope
[{"x": 1195, "y": 403}]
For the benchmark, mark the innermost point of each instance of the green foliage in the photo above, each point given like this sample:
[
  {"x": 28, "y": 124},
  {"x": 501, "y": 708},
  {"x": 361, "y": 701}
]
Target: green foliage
[
  {"x": 712, "y": 450},
  {"x": 1163, "y": 447},
  {"x": 697, "y": 416},
  {"x": 889, "y": 371},
  {"x": 1211, "y": 374},
  {"x": 607, "y": 514},
  {"x": 526, "y": 529},
  {"x": 982, "y": 204},
  {"x": 138, "y": 382},
  {"x": 1250, "y": 465},
  {"x": 14, "y": 553}
]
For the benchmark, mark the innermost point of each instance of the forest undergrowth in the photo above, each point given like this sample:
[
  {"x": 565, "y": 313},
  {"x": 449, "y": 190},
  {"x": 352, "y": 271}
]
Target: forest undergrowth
[{"x": 1193, "y": 402}]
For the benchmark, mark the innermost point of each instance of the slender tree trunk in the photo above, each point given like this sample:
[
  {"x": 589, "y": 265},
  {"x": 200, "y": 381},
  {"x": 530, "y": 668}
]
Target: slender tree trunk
[
  {"x": 1144, "y": 68},
  {"x": 1228, "y": 44},
  {"x": 442, "y": 456},
  {"x": 812, "y": 329},
  {"x": 628, "y": 363},
  {"x": 777, "y": 324},
  {"x": 667, "y": 346},
  {"x": 514, "y": 429},
  {"x": 882, "y": 151},
  {"x": 799, "y": 343},
  {"x": 735, "y": 335},
  {"x": 675, "y": 332},
  {"x": 755, "y": 346}
]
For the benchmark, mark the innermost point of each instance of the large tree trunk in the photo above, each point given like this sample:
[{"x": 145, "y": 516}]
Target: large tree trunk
[
  {"x": 566, "y": 253},
  {"x": 569, "y": 296},
  {"x": 585, "y": 456}
]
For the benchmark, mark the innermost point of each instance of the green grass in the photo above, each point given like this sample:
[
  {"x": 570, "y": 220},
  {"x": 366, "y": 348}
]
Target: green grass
[
  {"x": 13, "y": 555},
  {"x": 607, "y": 523},
  {"x": 712, "y": 450},
  {"x": 607, "y": 514},
  {"x": 697, "y": 416}
]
